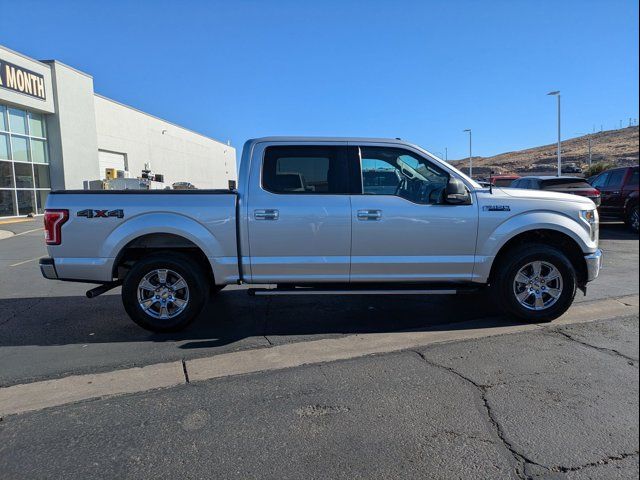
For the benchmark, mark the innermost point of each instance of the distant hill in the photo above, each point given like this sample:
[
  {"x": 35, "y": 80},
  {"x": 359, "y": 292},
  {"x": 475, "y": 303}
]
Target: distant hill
[{"x": 618, "y": 147}]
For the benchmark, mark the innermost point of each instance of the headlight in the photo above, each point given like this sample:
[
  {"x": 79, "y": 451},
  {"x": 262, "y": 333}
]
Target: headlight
[{"x": 590, "y": 217}]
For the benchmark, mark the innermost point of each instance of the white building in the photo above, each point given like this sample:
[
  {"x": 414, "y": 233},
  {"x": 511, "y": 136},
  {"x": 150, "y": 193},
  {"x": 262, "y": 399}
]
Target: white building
[{"x": 56, "y": 133}]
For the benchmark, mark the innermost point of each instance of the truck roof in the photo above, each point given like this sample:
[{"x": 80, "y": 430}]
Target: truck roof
[{"x": 328, "y": 139}]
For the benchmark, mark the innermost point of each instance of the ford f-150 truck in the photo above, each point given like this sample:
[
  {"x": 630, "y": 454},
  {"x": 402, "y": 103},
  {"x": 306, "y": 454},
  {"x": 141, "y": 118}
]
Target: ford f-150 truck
[{"x": 326, "y": 216}]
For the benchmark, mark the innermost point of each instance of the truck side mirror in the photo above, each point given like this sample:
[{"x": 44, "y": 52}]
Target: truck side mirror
[{"x": 456, "y": 193}]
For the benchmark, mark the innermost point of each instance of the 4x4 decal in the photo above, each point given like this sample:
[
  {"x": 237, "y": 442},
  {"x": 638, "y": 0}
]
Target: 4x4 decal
[{"x": 90, "y": 213}]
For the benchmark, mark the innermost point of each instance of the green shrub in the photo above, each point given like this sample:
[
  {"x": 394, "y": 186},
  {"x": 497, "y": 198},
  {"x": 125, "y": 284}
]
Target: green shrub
[{"x": 597, "y": 168}]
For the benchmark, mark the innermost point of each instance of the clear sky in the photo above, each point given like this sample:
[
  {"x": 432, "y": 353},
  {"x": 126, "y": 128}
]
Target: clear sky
[{"x": 422, "y": 70}]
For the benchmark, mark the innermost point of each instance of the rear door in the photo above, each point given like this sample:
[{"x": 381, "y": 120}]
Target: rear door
[
  {"x": 299, "y": 214},
  {"x": 401, "y": 230},
  {"x": 612, "y": 201}
]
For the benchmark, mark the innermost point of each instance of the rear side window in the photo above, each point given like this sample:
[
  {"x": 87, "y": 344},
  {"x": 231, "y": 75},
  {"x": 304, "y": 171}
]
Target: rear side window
[
  {"x": 633, "y": 180},
  {"x": 305, "y": 170},
  {"x": 565, "y": 183}
]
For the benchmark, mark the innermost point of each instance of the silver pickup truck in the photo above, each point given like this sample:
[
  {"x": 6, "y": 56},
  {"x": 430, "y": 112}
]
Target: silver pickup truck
[{"x": 326, "y": 216}]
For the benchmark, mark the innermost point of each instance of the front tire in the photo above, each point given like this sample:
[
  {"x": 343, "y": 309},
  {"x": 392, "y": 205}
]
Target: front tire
[
  {"x": 535, "y": 283},
  {"x": 165, "y": 292}
]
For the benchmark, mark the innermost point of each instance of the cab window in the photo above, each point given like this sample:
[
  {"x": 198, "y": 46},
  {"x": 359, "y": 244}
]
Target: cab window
[
  {"x": 394, "y": 171},
  {"x": 305, "y": 170}
]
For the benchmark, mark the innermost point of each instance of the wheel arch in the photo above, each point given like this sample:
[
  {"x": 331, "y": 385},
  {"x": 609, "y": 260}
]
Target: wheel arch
[
  {"x": 151, "y": 243},
  {"x": 555, "y": 238}
]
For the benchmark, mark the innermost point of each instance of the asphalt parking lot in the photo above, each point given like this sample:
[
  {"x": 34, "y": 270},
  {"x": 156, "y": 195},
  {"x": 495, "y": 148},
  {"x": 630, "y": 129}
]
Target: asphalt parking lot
[
  {"x": 559, "y": 402},
  {"x": 50, "y": 329}
]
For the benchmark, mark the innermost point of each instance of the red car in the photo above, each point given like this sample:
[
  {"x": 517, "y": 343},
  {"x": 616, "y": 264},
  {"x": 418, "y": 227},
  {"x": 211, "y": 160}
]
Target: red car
[
  {"x": 619, "y": 188},
  {"x": 503, "y": 180}
]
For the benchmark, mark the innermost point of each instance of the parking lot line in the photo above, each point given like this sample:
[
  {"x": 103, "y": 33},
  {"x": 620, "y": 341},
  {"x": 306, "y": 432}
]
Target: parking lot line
[
  {"x": 25, "y": 261},
  {"x": 49, "y": 393},
  {"x": 29, "y": 231}
]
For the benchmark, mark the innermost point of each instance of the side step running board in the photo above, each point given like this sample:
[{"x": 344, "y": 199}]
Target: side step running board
[{"x": 314, "y": 291}]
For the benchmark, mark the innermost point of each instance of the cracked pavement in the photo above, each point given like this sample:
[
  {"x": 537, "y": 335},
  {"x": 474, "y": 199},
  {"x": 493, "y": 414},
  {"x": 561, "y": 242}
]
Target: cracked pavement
[{"x": 559, "y": 403}]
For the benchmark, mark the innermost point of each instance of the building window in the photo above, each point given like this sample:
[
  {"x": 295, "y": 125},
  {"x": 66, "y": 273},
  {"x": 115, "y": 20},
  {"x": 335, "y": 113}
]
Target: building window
[{"x": 24, "y": 162}]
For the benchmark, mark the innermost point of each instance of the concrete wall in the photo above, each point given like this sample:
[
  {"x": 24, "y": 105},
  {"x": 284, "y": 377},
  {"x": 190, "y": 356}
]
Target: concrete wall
[
  {"x": 179, "y": 154},
  {"x": 73, "y": 150}
]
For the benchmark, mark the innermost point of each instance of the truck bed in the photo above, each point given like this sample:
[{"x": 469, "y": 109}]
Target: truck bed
[{"x": 101, "y": 223}]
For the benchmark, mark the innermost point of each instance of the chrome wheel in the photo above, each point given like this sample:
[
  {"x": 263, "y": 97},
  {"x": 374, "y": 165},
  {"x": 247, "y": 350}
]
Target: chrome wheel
[
  {"x": 635, "y": 219},
  {"x": 163, "y": 294},
  {"x": 538, "y": 285}
]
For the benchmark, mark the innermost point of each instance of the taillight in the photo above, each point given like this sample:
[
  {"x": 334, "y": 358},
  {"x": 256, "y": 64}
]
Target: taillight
[
  {"x": 53, "y": 221},
  {"x": 591, "y": 192}
]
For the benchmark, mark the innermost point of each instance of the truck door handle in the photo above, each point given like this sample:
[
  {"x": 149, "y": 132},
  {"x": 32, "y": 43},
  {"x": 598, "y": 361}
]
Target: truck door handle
[
  {"x": 369, "y": 214},
  {"x": 268, "y": 214}
]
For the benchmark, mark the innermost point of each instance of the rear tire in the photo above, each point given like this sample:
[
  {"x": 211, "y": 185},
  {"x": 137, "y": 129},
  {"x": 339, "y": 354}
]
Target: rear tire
[
  {"x": 535, "y": 283},
  {"x": 633, "y": 219},
  {"x": 165, "y": 292}
]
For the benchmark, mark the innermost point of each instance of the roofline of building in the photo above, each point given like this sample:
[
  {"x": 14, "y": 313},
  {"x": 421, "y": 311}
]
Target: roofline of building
[
  {"x": 161, "y": 119},
  {"x": 26, "y": 57},
  {"x": 48, "y": 62}
]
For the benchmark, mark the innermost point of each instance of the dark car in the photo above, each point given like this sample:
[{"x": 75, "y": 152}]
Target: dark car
[
  {"x": 572, "y": 185},
  {"x": 619, "y": 188}
]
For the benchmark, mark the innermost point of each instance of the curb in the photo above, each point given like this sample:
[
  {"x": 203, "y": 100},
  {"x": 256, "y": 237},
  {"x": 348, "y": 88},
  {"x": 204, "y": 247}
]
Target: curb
[{"x": 50, "y": 393}]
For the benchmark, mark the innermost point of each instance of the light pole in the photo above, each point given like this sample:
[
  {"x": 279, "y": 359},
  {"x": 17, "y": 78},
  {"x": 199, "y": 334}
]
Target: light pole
[
  {"x": 470, "y": 157},
  {"x": 557, "y": 94},
  {"x": 446, "y": 154}
]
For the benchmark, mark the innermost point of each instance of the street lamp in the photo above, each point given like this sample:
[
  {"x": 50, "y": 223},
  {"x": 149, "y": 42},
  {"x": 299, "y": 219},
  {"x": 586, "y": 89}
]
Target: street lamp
[
  {"x": 470, "y": 157},
  {"x": 556, "y": 93}
]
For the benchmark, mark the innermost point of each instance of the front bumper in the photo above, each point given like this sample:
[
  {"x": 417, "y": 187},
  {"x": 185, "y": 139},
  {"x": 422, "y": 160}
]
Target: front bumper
[
  {"x": 594, "y": 264},
  {"x": 48, "y": 268}
]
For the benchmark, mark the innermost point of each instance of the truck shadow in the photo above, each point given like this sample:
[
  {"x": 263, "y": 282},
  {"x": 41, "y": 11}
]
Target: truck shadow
[{"x": 233, "y": 316}]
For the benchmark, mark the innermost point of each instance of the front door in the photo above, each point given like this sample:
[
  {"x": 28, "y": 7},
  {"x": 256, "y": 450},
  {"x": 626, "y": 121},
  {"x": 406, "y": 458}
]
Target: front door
[
  {"x": 299, "y": 215},
  {"x": 401, "y": 229}
]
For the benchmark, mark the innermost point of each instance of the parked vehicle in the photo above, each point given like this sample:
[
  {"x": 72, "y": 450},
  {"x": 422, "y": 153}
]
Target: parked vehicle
[
  {"x": 619, "y": 189},
  {"x": 572, "y": 185},
  {"x": 437, "y": 232},
  {"x": 572, "y": 168},
  {"x": 183, "y": 186},
  {"x": 503, "y": 180}
]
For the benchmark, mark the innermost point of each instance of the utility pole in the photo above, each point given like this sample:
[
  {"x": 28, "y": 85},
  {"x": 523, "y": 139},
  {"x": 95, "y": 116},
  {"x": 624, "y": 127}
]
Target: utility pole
[
  {"x": 589, "y": 139},
  {"x": 556, "y": 93},
  {"x": 446, "y": 154},
  {"x": 470, "y": 155}
]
